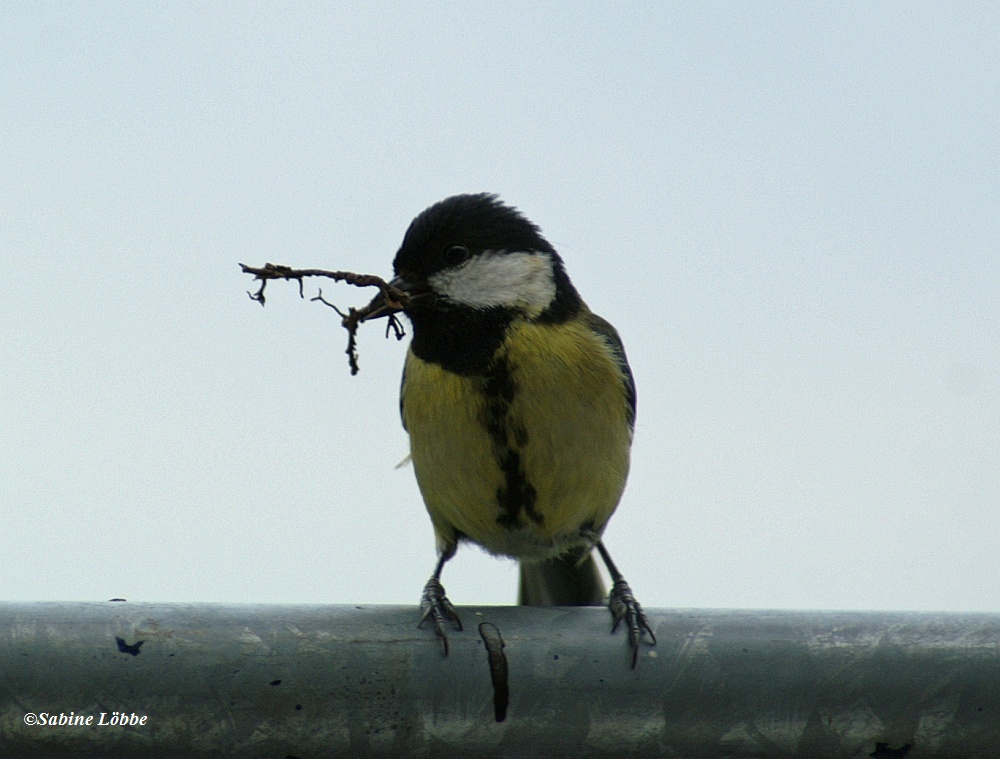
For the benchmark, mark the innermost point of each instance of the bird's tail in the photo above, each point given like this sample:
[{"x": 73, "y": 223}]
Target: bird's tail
[{"x": 570, "y": 580}]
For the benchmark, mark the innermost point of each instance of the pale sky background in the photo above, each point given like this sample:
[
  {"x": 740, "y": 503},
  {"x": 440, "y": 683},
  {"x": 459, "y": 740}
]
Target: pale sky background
[{"x": 790, "y": 211}]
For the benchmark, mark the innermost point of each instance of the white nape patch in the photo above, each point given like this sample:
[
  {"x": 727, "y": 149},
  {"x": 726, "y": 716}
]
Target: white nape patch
[{"x": 513, "y": 279}]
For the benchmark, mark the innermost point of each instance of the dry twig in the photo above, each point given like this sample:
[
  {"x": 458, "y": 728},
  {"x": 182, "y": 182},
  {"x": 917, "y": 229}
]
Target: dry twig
[{"x": 394, "y": 299}]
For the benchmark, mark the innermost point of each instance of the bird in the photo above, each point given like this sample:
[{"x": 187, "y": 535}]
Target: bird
[{"x": 519, "y": 404}]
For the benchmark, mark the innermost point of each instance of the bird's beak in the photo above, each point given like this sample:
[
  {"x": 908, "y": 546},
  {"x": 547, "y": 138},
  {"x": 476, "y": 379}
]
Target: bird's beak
[{"x": 381, "y": 305}]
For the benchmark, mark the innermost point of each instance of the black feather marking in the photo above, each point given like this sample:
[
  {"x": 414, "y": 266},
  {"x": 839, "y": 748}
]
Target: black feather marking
[
  {"x": 477, "y": 222},
  {"x": 606, "y": 330},
  {"x": 567, "y": 302},
  {"x": 402, "y": 398},
  {"x": 516, "y": 496},
  {"x": 461, "y": 340}
]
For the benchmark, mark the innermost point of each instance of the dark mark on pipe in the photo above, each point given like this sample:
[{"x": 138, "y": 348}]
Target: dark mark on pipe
[
  {"x": 882, "y": 751},
  {"x": 498, "y": 669},
  {"x": 125, "y": 648}
]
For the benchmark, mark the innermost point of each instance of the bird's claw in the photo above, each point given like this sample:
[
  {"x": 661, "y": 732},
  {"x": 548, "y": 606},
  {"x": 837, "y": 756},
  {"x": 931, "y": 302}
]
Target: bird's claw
[
  {"x": 624, "y": 608},
  {"x": 435, "y": 606}
]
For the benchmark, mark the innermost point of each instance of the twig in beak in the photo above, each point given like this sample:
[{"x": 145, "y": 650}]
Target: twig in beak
[{"x": 390, "y": 301}]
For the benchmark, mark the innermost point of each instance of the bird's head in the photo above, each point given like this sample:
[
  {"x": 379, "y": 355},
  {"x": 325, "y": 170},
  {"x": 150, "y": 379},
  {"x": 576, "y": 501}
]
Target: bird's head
[{"x": 473, "y": 252}]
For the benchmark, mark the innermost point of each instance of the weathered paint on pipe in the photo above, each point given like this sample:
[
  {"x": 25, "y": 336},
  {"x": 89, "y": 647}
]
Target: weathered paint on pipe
[{"x": 362, "y": 681}]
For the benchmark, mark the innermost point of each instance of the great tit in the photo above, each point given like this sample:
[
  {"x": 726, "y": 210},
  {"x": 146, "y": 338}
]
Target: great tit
[{"x": 519, "y": 404}]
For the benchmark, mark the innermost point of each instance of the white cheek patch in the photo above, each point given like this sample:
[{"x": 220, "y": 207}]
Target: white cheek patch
[{"x": 517, "y": 279}]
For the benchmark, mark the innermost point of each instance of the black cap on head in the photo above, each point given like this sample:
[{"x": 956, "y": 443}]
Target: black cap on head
[{"x": 477, "y": 222}]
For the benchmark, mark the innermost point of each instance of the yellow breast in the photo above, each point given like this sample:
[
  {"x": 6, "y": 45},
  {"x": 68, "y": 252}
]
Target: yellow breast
[{"x": 558, "y": 413}]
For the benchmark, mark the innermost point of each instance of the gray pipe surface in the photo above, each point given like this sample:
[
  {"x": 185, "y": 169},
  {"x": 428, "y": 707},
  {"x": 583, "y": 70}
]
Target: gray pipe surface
[{"x": 283, "y": 681}]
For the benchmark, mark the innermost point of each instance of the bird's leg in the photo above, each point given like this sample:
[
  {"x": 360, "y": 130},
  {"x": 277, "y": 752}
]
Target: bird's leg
[
  {"x": 435, "y": 604},
  {"x": 624, "y": 607}
]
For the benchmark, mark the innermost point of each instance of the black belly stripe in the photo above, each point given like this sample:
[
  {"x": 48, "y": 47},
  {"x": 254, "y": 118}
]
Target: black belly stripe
[{"x": 516, "y": 496}]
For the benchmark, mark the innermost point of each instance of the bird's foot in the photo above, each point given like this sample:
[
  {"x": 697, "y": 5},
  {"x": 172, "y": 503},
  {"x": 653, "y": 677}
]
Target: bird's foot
[
  {"x": 435, "y": 606},
  {"x": 624, "y": 608}
]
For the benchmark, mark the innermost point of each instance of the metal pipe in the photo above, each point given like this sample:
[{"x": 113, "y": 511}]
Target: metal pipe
[{"x": 308, "y": 681}]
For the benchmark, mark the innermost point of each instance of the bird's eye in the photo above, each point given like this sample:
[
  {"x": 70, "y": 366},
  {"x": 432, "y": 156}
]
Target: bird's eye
[{"x": 455, "y": 254}]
